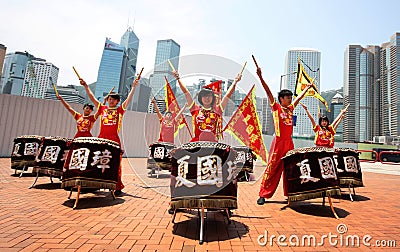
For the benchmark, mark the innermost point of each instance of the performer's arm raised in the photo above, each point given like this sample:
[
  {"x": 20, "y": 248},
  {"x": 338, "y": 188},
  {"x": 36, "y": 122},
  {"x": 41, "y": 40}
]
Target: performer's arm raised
[
  {"x": 309, "y": 115},
  {"x": 339, "y": 118},
  {"x": 265, "y": 86},
  {"x": 130, "y": 95},
  {"x": 90, "y": 93},
  {"x": 180, "y": 113},
  {"x": 184, "y": 89},
  {"x": 66, "y": 105},
  {"x": 302, "y": 94},
  {"x": 230, "y": 91},
  {"x": 160, "y": 116}
]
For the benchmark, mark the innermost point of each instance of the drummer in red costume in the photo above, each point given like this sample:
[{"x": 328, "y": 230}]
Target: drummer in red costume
[
  {"x": 282, "y": 142},
  {"x": 207, "y": 118},
  {"x": 111, "y": 119},
  {"x": 168, "y": 123},
  {"x": 325, "y": 132},
  {"x": 84, "y": 122}
]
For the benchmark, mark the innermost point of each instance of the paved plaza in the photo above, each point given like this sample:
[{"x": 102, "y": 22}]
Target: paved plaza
[{"x": 42, "y": 218}]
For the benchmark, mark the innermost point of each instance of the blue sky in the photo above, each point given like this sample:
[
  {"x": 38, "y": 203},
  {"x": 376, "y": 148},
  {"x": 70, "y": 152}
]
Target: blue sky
[{"x": 72, "y": 33}]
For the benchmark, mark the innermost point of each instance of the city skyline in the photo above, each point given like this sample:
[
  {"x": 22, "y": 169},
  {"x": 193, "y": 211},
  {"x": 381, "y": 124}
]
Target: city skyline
[{"x": 230, "y": 29}]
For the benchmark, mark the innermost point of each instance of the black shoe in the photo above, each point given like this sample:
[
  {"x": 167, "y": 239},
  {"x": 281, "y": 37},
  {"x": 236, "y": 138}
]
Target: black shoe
[
  {"x": 261, "y": 201},
  {"x": 118, "y": 193},
  {"x": 171, "y": 211}
]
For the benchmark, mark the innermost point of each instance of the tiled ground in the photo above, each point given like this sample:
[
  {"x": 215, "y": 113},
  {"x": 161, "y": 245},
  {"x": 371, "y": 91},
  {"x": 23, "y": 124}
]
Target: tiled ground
[{"x": 42, "y": 218}]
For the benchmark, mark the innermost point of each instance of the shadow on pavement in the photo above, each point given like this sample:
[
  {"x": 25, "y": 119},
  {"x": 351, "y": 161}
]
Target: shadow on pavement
[
  {"x": 316, "y": 209},
  {"x": 216, "y": 227}
]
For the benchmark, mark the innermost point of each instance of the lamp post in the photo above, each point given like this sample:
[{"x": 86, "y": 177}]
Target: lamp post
[{"x": 280, "y": 85}]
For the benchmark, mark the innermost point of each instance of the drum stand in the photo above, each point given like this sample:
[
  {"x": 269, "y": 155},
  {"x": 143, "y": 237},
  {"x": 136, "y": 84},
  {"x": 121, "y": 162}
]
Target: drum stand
[
  {"x": 79, "y": 192},
  {"x": 201, "y": 213},
  {"x": 24, "y": 170},
  {"x": 331, "y": 206},
  {"x": 354, "y": 192},
  {"x": 37, "y": 176}
]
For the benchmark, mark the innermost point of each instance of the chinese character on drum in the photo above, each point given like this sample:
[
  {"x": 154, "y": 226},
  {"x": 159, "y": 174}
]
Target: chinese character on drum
[
  {"x": 79, "y": 159},
  {"x": 327, "y": 168},
  {"x": 103, "y": 160},
  {"x": 209, "y": 170},
  {"x": 183, "y": 169},
  {"x": 31, "y": 149},
  {"x": 305, "y": 171},
  {"x": 51, "y": 154}
]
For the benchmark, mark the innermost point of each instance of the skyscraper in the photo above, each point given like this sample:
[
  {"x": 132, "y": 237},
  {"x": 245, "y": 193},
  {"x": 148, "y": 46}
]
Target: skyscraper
[
  {"x": 39, "y": 76},
  {"x": 110, "y": 69},
  {"x": 166, "y": 50},
  {"x": 336, "y": 107},
  {"x": 2, "y": 56},
  {"x": 360, "y": 76},
  {"x": 131, "y": 44},
  {"x": 390, "y": 86},
  {"x": 311, "y": 59}
]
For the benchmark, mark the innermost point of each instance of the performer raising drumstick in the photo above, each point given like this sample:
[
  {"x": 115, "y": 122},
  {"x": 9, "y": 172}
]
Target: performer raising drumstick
[
  {"x": 282, "y": 142},
  {"x": 168, "y": 123},
  {"x": 325, "y": 132},
  {"x": 111, "y": 118},
  {"x": 85, "y": 121},
  {"x": 207, "y": 118}
]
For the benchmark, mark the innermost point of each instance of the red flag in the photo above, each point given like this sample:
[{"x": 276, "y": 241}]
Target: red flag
[
  {"x": 244, "y": 125},
  {"x": 215, "y": 86},
  {"x": 173, "y": 106}
]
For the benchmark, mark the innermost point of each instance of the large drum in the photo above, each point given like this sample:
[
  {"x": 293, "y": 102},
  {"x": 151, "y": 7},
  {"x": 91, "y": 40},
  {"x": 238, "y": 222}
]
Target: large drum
[
  {"x": 92, "y": 162},
  {"x": 24, "y": 151},
  {"x": 203, "y": 176},
  {"x": 348, "y": 167},
  {"x": 311, "y": 173},
  {"x": 159, "y": 156},
  {"x": 244, "y": 159},
  {"x": 51, "y": 156}
]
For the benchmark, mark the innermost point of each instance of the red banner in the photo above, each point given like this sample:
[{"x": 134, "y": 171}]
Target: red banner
[
  {"x": 215, "y": 86},
  {"x": 245, "y": 126},
  {"x": 173, "y": 106}
]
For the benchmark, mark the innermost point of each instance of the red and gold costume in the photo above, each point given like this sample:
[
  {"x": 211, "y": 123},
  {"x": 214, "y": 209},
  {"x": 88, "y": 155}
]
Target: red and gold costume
[
  {"x": 324, "y": 136},
  {"x": 167, "y": 131},
  {"x": 110, "y": 125},
  {"x": 207, "y": 123},
  {"x": 84, "y": 124},
  {"x": 281, "y": 144}
]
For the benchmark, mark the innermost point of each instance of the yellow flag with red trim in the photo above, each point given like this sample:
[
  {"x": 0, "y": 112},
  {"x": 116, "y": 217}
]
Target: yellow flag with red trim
[{"x": 301, "y": 82}]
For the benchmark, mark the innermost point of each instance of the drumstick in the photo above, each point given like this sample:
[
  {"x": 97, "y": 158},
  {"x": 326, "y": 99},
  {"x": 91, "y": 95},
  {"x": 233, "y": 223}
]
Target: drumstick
[
  {"x": 54, "y": 86},
  {"x": 55, "y": 89},
  {"x": 255, "y": 62},
  {"x": 170, "y": 64},
  {"x": 112, "y": 89},
  {"x": 140, "y": 73},
  {"x": 241, "y": 72},
  {"x": 76, "y": 72}
]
